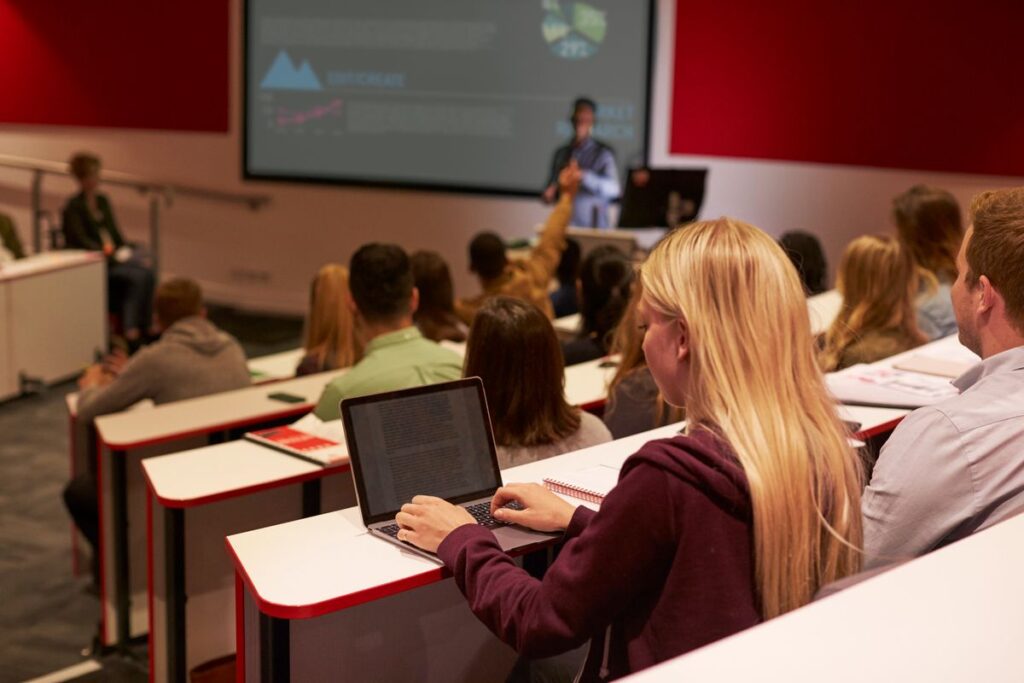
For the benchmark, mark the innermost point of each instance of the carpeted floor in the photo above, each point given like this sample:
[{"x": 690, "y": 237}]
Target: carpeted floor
[{"x": 47, "y": 617}]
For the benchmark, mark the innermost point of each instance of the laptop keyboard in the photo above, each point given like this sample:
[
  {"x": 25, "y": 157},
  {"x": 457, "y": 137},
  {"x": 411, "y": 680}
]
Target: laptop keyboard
[{"x": 481, "y": 512}]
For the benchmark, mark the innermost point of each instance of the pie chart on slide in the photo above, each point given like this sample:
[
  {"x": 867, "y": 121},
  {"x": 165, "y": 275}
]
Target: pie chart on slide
[{"x": 573, "y": 30}]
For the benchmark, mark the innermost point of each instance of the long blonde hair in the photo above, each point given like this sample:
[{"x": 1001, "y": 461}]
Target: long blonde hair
[
  {"x": 754, "y": 380},
  {"x": 878, "y": 281},
  {"x": 330, "y": 329}
]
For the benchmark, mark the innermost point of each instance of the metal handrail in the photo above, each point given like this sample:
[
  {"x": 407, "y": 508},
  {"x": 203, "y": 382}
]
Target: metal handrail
[{"x": 156, "y": 190}]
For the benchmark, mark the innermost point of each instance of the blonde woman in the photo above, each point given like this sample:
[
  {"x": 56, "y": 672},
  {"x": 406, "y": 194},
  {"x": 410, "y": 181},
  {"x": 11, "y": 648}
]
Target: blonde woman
[
  {"x": 331, "y": 341},
  {"x": 740, "y": 519},
  {"x": 878, "y": 281}
]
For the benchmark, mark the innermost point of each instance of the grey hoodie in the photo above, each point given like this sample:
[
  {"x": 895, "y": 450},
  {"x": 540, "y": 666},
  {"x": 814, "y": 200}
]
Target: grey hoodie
[{"x": 192, "y": 358}]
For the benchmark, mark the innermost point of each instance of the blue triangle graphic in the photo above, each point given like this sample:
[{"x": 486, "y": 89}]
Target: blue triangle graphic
[{"x": 283, "y": 75}]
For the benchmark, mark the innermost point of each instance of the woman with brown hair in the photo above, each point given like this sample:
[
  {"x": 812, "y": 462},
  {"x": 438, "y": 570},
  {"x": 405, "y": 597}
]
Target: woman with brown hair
[
  {"x": 929, "y": 227},
  {"x": 741, "y": 518},
  {"x": 88, "y": 223},
  {"x": 331, "y": 341},
  {"x": 514, "y": 349},
  {"x": 435, "y": 315},
  {"x": 634, "y": 402},
  {"x": 878, "y": 282}
]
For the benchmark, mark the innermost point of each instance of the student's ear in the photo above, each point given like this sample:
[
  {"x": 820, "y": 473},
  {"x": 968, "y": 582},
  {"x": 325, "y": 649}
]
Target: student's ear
[
  {"x": 683, "y": 341},
  {"x": 414, "y": 301},
  {"x": 202, "y": 312},
  {"x": 988, "y": 295},
  {"x": 351, "y": 304}
]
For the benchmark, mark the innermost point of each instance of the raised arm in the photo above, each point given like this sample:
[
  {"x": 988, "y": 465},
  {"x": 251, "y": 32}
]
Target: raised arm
[{"x": 544, "y": 258}]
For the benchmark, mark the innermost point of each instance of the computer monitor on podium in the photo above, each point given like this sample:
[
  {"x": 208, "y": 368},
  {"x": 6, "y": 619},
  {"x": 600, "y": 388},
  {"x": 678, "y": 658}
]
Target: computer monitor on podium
[{"x": 662, "y": 197}]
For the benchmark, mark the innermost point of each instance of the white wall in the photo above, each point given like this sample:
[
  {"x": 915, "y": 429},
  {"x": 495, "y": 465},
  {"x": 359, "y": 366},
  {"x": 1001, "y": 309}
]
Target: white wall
[{"x": 264, "y": 260}]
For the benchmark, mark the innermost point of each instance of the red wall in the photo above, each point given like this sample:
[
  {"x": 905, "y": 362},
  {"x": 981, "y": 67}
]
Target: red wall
[
  {"x": 930, "y": 85},
  {"x": 116, "y": 63}
]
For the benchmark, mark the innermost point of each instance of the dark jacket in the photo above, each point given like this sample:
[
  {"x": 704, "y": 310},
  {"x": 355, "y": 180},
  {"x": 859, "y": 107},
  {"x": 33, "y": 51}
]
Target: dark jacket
[
  {"x": 83, "y": 230},
  {"x": 666, "y": 566}
]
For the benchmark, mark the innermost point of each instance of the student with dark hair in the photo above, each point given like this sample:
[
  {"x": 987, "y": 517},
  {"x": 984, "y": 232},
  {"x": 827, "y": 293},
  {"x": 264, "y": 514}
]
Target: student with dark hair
[
  {"x": 929, "y": 227},
  {"x": 528, "y": 278},
  {"x": 565, "y": 299},
  {"x": 804, "y": 250},
  {"x": 529, "y": 413},
  {"x": 605, "y": 280},
  {"x": 88, "y": 223},
  {"x": 395, "y": 353},
  {"x": 191, "y": 358},
  {"x": 436, "y": 316}
]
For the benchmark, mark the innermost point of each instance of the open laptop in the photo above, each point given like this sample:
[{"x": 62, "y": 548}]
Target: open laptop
[{"x": 434, "y": 440}]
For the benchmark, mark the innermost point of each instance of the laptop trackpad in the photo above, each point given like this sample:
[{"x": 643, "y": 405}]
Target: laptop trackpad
[{"x": 511, "y": 537}]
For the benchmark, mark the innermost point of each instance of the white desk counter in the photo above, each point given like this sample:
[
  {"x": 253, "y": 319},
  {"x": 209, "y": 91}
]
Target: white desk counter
[
  {"x": 275, "y": 366},
  {"x": 880, "y": 384},
  {"x": 196, "y": 498},
  {"x": 586, "y": 384},
  {"x": 53, "y": 317},
  {"x": 953, "y": 615},
  {"x": 305, "y": 571},
  {"x": 125, "y": 438},
  {"x": 823, "y": 309}
]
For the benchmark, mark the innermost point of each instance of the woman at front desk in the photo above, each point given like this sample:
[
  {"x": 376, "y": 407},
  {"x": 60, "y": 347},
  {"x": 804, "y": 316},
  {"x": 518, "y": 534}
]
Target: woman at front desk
[
  {"x": 740, "y": 519},
  {"x": 88, "y": 223}
]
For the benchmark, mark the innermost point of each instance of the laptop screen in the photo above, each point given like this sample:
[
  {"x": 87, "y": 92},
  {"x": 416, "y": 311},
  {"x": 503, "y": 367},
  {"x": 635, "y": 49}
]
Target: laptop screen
[{"x": 433, "y": 440}]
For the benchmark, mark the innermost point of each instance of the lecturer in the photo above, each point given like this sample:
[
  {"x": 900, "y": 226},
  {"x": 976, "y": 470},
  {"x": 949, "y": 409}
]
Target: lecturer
[{"x": 600, "y": 181}]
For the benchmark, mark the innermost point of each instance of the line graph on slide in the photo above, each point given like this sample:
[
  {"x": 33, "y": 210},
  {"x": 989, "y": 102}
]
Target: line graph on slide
[{"x": 286, "y": 117}]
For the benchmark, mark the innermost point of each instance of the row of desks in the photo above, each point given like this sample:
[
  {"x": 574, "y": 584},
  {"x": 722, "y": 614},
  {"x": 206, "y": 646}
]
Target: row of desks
[{"x": 198, "y": 497}]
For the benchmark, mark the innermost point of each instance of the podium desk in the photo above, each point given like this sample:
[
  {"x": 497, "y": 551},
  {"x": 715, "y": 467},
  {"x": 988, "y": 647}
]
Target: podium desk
[
  {"x": 53, "y": 317},
  {"x": 123, "y": 439},
  {"x": 320, "y": 595},
  {"x": 952, "y": 615},
  {"x": 195, "y": 499}
]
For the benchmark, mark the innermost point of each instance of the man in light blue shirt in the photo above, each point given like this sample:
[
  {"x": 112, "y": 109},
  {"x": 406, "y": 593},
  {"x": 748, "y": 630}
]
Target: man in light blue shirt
[
  {"x": 599, "y": 183},
  {"x": 957, "y": 467}
]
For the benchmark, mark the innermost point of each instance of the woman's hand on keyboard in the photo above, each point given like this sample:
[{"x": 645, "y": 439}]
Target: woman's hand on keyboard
[
  {"x": 541, "y": 509},
  {"x": 427, "y": 521}
]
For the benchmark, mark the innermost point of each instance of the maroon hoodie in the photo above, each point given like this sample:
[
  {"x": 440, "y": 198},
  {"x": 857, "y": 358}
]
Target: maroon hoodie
[{"x": 664, "y": 567}]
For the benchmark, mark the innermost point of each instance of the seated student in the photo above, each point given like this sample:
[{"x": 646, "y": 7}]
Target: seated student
[
  {"x": 804, "y": 250},
  {"x": 191, "y": 358},
  {"x": 878, "y": 282},
  {"x": 634, "y": 402},
  {"x": 605, "y": 280},
  {"x": 435, "y": 316},
  {"x": 739, "y": 520},
  {"x": 395, "y": 353},
  {"x": 330, "y": 329},
  {"x": 956, "y": 467},
  {"x": 525, "y": 279},
  {"x": 565, "y": 299},
  {"x": 88, "y": 223},
  {"x": 514, "y": 350},
  {"x": 929, "y": 227}
]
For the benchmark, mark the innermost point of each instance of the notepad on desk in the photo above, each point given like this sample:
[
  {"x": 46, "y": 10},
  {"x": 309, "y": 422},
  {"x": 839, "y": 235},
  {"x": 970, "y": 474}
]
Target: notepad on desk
[
  {"x": 940, "y": 367},
  {"x": 591, "y": 484},
  {"x": 312, "y": 448}
]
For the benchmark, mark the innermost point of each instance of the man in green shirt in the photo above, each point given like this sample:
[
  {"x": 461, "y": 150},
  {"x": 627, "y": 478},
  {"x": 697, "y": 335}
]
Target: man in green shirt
[{"x": 396, "y": 355}]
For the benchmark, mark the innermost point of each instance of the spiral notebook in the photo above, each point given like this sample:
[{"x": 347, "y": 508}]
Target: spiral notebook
[{"x": 591, "y": 484}]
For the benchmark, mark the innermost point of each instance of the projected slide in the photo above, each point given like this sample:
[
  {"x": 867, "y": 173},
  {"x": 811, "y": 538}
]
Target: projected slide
[{"x": 459, "y": 94}]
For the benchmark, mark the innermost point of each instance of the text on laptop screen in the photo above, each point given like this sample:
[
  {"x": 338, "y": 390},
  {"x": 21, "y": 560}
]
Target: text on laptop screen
[{"x": 434, "y": 444}]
